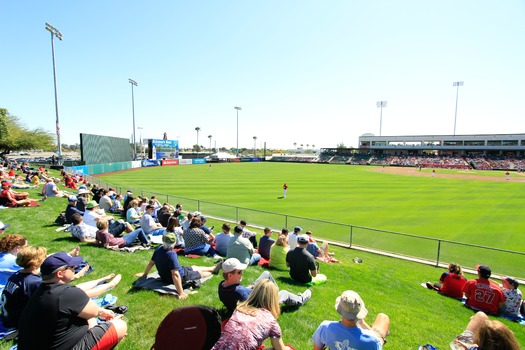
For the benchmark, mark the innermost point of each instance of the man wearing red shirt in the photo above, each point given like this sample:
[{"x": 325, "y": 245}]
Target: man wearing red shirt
[{"x": 483, "y": 294}]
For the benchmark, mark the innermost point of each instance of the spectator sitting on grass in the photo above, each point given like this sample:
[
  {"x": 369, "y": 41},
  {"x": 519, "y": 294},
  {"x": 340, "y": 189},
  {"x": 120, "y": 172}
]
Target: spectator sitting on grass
[
  {"x": 133, "y": 214},
  {"x": 81, "y": 231},
  {"x": 302, "y": 264},
  {"x": 278, "y": 253},
  {"x": 169, "y": 269},
  {"x": 265, "y": 243},
  {"x": 10, "y": 246},
  {"x": 91, "y": 217},
  {"x": 254, "y": 321},
  {"x": 72, "y": 208},
  {"x": 231, "y": 291},
  {"x": 241, "y": 248},
  {"x": 222, "y": 239},
  {"x": 352, "y": 332},
  {"x": 116, "y": 207},
  {"x": 82, "y": 198},
  {"x": 23, "y": 284},
  {"x": 207, "y": 230},
  {"x": 104, "y": 202},
  {"x": 107, "y": 240},
  {"x": 493, "y": 299},
  {"x": 250, "y": 235},
  {"x": 148, "y": 224},
  {"x": 63, "y": 316},
  {"x": 314, "y": 249},
  {"x": 483, "y": 333},
  {"x": 10, "y": 198},
  {"x": 174, "y": 227},
  {"x": 292, "y": 239},
  {"x": 513, "y": 297},
  {"x": 197, "y": 242},
  {"x": 451, "y": 282}
]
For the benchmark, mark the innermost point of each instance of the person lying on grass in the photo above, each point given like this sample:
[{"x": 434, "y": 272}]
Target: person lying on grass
[
  {"x": 107, "y": 240},
  {"x": 171, "y": 272}
]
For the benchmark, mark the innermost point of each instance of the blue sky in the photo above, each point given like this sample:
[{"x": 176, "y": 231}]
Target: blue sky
[{"x": 303, "y": 71}]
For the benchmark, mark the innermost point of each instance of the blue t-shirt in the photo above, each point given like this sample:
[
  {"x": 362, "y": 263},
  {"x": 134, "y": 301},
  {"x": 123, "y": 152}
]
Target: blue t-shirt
[
  {"x": 8, "y": 267},
  {"x": 165, "y": 261},
  {"x": 334, "y": 335},
  {"x": 313, "y": 249}
]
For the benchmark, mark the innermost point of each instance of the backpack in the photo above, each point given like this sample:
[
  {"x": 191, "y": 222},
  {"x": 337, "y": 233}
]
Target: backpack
[
  {"x": 61, "y": 219},
  {"x": 196, "y": 327}
]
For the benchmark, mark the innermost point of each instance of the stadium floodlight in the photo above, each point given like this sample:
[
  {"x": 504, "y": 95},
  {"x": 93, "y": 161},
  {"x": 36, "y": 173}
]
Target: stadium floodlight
[
  {"x": 55, "y": 33},
  {"x": 133, "y": 83},
  {"x": 238, "y": 109},
  {"x": 456, "y": 84},
  {"x": 255, "y": 146},
  {"x": 381, "y": 104}
]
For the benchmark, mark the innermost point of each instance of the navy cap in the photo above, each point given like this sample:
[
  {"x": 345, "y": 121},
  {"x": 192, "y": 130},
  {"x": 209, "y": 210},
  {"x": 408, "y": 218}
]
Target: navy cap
[{"x": 58, "y": 260}]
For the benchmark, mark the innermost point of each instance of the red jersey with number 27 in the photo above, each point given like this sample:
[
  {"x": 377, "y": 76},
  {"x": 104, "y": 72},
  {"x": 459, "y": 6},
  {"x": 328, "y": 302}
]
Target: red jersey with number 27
[{"x": 484, "y": 294}]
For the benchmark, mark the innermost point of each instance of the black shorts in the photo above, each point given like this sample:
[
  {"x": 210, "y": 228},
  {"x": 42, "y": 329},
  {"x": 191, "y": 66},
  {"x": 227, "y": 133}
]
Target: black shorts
[
  {"x": 95, "y": 336},
  {"x": 116, "y": 228},
  {"x": 190, "y": 275}
]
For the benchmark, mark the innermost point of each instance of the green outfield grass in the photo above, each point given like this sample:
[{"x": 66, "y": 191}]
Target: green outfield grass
[
  {"x": 388, "y": 285},
  {"x": 478, "y": 212}
]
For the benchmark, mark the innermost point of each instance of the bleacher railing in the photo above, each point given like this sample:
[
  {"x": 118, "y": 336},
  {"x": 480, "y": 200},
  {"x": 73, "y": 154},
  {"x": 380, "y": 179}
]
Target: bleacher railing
[{"x": 428, "y": 250}]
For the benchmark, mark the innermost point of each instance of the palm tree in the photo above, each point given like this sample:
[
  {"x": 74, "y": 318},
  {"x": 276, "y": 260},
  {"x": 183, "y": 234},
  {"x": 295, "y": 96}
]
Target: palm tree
[
  {"x": 210, "y": 136},
  {"x": 307, "y": 145},
  {"x": 197, "y": 129},
  {"x": 254, "y": 146}
]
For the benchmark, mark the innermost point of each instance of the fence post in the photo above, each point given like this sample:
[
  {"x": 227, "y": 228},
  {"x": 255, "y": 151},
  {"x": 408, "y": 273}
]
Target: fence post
[
  {"x": 236, "y": 214},
  {"x": 286, "y": 220},
  {"x": 351, "y": 234},
  {"x": 438, "y": 252},
  {"x": 199, "y": 205}
]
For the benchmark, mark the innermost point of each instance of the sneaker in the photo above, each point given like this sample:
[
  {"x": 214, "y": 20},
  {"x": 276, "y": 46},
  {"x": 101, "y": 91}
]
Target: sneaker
[
  {"x": 218, "y": 267},
  {"x": 331, "y": 255},
  {"x": 306, "y": 295}
]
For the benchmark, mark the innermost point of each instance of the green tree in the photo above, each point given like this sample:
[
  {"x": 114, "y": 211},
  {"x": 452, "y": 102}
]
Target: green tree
[
  {"x": 341, "y": 146},
  {"x": 16, "y": 137}
]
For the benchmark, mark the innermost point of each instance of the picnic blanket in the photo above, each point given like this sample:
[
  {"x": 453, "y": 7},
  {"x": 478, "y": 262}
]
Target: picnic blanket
[{"x": 153, "y": 282}]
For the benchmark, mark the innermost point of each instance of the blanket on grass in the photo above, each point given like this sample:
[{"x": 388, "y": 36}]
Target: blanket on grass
[{"x": 153, "y": 282}]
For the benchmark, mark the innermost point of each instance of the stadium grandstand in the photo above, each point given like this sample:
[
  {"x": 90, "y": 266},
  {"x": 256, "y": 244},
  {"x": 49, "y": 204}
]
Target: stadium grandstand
[{"x": 482, "y": 152}]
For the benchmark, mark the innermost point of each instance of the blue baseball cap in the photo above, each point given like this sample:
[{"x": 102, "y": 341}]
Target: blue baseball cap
[{"x": 58, "y": 260}]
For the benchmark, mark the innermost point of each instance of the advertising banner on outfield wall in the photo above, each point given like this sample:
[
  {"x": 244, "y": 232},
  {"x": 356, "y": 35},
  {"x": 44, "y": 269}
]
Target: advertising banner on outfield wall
[
  {"x": 150, "y": 162},
  {"x": 199, "y": 161},
  {"x": 185, "y": 161},
  {"x": 166, "y": 162},
  {"x": 256, "y": 159}
]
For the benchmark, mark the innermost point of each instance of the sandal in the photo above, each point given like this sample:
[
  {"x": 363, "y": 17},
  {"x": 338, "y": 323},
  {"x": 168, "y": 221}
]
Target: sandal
[{"x": 117, "y": 309}]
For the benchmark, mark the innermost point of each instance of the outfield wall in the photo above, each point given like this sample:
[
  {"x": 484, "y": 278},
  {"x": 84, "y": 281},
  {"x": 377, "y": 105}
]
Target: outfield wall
[{"x": 437, "y": 252}]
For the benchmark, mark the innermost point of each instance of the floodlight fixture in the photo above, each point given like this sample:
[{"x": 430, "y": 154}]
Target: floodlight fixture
[
  {"x": 238, "y": 109},
  {"x": 55, "y": 33},
  {"x": 381, "y": 104},
  {"x": 456, "y": 84},
  {"x": 133, "y": 83}
]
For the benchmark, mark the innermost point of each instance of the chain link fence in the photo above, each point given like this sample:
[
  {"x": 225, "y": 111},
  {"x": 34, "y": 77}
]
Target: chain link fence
[{"x": 424, "y": 249}]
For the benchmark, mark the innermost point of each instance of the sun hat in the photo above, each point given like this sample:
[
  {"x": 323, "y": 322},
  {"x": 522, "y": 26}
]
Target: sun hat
[
  {"x": 3, "y": 226},
  {"x": 233, "y": 264},
  {"x": 351, "y": 306},
  {"x": 169, "y": 238},
  {"x": 82, "y": 191},
  {"x": 58, "y": 260},
  {"x": 91, "y": 204}
]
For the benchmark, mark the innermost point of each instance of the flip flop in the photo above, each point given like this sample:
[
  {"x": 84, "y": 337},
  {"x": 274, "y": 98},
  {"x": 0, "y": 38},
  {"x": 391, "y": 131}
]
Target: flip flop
[{"x": 117, "y": 309}]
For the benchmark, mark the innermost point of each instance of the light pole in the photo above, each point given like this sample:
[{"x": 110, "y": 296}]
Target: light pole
[
  {"x": 381, "y": 104},
  {"x": 255, "y": 146},
  {"x": 140, "y": 136},
  {"x": 55, "y": 32},
  {"x": 133, "y": 83},
  {"x": 456, "y": 84},
  {"x": 197, "y": 129},
  {"x": 210, "y": 136},
  {"x": 238, "y": 109}
]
